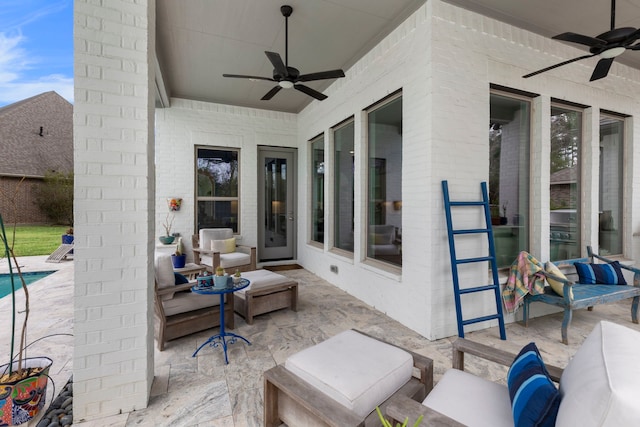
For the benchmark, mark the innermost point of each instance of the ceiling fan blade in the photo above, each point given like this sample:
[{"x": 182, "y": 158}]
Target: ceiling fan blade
[
  {"x": 272, "y": 92},
  {"x": 240, "y": 76},
  {"x": 634, "y": 47},
  {"x": 556, "y": 66},
  {"x": 311, "y": 92},
  {"x": 277, "y": 63},
  {"x": 580, "y": 39},
  {"x": 602, "y": 69},
  {"x": 322, "y": 75}
]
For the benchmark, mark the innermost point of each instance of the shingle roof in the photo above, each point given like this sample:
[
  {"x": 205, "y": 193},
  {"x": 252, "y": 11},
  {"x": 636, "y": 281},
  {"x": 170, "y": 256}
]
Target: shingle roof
[{"x": 36, "y": 135}]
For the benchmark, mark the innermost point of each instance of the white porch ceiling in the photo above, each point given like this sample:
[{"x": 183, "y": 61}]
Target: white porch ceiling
[{"x": 199, "y": 40}]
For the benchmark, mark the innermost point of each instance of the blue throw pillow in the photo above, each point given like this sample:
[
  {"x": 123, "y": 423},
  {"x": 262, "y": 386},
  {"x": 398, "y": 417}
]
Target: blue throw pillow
[
  {"x": 534, "y": 397},
  {"x": 180, "y": 279},
  {"x": 603, "y": 274}
]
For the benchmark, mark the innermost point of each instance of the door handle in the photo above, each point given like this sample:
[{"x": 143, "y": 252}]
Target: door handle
[{"x": 290, "y": 216}]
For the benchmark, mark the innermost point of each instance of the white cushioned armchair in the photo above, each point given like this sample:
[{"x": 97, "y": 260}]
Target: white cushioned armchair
[
  {"x": 213, "y": 247},
  {"x": 598, "y": 387}
]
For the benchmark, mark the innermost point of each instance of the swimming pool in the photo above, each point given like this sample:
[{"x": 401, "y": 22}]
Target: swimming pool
[{"x": 5, "y": 280}]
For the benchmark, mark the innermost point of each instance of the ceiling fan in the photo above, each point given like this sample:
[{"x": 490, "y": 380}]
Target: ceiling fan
[
  {"x": 289, "y": 77},
  {"x": 607, "y": 45}
]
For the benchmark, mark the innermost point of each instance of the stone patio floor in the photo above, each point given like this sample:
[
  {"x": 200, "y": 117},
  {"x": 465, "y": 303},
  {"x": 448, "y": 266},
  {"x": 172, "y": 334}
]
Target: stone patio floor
[{"x": 203, "y": 391}]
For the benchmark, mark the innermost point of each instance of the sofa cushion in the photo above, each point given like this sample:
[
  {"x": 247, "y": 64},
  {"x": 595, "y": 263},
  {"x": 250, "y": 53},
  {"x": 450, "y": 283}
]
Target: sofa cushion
[
  {"x": 224, "y": 246},
  {"x": 534, "y": 397},
  {"x": 356, "y": 371},
  {"x": 183, "y": 302},
  {"x": 234, "y": 259},
  {"x": 601, "y": 384},
  {"x": 164, "y": 274},
  {"x": 262, "y": 279},
  {"x": 471, "y": 400},
  {"x": 604, "y": 274},
  {"x": 557, "y": 286}
]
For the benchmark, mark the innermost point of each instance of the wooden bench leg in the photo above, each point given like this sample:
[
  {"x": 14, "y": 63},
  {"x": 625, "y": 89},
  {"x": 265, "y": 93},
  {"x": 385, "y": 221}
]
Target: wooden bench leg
[
  {"x": 271, "y": 418},
  {"x": 568, "y": 313},
  {"x": 634, "y": 310},
  {"x": 525, "y": 313}
]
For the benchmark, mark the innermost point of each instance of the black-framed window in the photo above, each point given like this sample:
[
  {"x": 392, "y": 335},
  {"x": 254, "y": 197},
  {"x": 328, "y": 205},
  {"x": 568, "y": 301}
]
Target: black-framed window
[{"x": 217, "y": 188}]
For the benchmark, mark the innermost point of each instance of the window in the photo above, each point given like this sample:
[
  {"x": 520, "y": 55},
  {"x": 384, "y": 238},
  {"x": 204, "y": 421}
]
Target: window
[
  {"x": 317, "y": 189},
  {"x": 611, "y": 169},
  {"x": 217, "y": 188},
  {"x": 343, "y": 156},
  {"x": 384, "y": 181},
  {"x": 564, "y": 191},
  {"x": 509, "y": 134}
]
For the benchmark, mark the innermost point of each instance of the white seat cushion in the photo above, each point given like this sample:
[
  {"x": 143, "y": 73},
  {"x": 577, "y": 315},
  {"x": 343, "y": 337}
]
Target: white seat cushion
[
  {"x": 262, "y": 279},
  {"x": 356, "y": 371},
  {"x": 183, "y": 302},
  {"x": 471, "y": 400},
  {"x": 234, "y": 259},
  {"x": 601, "y": 384}
]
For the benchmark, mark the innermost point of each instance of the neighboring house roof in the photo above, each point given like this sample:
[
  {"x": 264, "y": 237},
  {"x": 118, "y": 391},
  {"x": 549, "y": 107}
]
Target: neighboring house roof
[
  {"x": 36, "y": 135},
  {"x": 564, "y": 176}
]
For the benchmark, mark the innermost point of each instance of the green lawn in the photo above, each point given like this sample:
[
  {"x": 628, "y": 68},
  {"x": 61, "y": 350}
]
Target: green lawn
[{"x": 35, "y": 240}]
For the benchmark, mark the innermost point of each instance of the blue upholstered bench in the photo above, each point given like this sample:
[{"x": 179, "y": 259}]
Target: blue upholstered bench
[{"x": 579, "y": 295}]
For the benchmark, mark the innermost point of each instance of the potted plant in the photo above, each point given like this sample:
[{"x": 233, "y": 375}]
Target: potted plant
[
  {"x": 221, "y": 278},
  {"x": 237, "y": 276},
  {"x": 167, "y": 239},
  {"x": 23, "y": 381},
  {"x": 179, "y": 258},
  {"x": 67, "y": 238}
]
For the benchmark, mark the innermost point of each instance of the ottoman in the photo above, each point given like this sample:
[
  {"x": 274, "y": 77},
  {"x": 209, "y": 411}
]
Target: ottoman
[{"x": 267, "y": 292}]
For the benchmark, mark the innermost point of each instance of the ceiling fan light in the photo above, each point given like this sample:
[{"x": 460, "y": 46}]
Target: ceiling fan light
[
  {"x": 612, "y": 53},
  {"x": 286, "y": 84}
]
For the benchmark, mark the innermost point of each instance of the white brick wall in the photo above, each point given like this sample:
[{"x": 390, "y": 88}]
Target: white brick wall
[
  {"x": 445, "y": 58},
  {"x": 114, "y": 212},
  {"x": 192, "y": 123}
]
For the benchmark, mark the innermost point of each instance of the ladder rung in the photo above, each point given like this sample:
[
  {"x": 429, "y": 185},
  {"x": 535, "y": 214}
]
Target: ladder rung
[
  {"x": 478, "y": 203},
  {"x": 481, "y": 319},
  {"x": 478, "y": 289},
  {"x": 470, "y": 260},
  {"x": 471, "y": 231}
]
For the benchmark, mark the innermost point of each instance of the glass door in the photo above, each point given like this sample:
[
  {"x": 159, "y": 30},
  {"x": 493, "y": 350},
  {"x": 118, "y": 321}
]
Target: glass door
[{"x": 276, "y": 203}]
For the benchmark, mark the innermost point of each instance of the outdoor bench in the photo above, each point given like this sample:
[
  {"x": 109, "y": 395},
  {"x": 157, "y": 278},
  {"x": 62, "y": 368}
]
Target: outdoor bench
[{"x": 584, "y": 295}]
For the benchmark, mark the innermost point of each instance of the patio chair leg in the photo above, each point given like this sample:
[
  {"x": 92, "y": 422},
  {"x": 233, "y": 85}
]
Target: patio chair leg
[{"x": 634, "y": 310}]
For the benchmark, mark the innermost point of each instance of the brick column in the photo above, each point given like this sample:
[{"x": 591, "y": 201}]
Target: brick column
[{"x": 114, "y": 208}]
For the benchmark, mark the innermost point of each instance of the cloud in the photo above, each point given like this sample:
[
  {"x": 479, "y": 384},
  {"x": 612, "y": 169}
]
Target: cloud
[{"x": 20, "y": 77}]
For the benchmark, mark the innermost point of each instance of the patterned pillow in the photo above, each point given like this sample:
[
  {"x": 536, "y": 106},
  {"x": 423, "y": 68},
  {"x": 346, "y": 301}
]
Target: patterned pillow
[
  {"x": 534, "y": 398},
  {"x": 604, "y": 274}
]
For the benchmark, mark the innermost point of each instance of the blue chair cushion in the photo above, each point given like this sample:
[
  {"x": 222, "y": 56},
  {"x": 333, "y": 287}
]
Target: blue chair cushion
[
  {"x": 604, "y": 274},
  {"x": 534, "y": 397}
]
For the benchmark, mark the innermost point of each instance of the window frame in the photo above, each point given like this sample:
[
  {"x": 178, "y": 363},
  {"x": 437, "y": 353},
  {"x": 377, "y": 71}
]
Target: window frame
[
  {"x": 198, "y": 198},
  {"x": 365, "y": 178},
  {"x": 334, "y": 194},
  {"x": 311, "y": 183}
]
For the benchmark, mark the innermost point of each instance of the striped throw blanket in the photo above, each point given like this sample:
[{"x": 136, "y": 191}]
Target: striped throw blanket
[{"x": 524, "y": 278}]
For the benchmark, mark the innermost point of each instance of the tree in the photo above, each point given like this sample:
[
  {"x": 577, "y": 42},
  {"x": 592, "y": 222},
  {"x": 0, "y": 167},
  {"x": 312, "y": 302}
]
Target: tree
[{"x": 55, "y": 197}]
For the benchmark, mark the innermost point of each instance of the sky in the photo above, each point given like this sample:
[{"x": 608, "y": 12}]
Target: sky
[{"x": 36, "y": 49}]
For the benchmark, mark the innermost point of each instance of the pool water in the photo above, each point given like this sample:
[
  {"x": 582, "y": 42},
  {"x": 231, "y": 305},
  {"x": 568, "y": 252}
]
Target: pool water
[{"x": 5, "y": 280}]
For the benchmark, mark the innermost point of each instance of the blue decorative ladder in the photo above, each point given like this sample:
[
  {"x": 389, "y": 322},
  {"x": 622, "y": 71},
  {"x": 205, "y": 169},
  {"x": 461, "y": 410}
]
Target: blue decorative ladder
[{"x": 455, "y": 262}]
